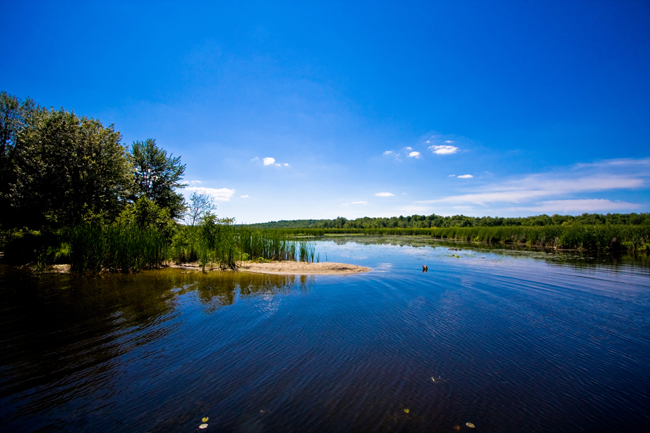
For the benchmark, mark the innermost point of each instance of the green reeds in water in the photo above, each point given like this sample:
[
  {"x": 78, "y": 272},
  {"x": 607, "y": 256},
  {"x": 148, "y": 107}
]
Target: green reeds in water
[
  {"x": 128, "y": 248},
  {"x": 116, "y": 248},
  {"x": 587, "y": 237}
]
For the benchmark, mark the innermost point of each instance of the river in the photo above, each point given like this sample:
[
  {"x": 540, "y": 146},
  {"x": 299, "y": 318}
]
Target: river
[{"x": 501, "y": 340}]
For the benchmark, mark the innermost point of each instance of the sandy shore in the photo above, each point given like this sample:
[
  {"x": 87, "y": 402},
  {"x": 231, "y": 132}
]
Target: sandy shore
[
  {"x": 277, "y": 268},
  {"x": 302, "y": 268}
]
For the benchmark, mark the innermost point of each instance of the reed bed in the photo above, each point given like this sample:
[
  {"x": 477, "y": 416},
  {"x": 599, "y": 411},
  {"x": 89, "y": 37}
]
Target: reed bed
[
  {"x": 129, "y": 248},
  {"x": 583, "y": 237}
]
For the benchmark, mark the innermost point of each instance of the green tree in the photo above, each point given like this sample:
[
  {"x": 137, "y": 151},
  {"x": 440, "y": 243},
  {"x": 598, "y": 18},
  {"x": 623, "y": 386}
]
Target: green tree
[
  {"x": 145, "y": 214},
  {"x": 63, "y": 170},
  {"x": 157, "y": 176}
]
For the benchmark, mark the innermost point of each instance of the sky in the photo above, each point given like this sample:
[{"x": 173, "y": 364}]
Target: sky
[{"x": 295, "y": 110}]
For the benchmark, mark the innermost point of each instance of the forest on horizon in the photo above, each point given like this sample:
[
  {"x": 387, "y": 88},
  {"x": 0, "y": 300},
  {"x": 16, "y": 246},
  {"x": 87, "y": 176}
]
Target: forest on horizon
[{"x": 433, "y": 220}]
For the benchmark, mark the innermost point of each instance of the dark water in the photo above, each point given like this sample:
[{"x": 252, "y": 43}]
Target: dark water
[{"x": 509, "y": 341}]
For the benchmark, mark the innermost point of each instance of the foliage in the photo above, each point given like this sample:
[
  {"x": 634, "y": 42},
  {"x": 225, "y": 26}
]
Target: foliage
[
  {"x": 60, "y": 170},
  {"x": 157, "y": 176},
  {"x": 433, "y": 221},
  {"x": 145, "y": 214},
  {"x": 577, "y": 236}
]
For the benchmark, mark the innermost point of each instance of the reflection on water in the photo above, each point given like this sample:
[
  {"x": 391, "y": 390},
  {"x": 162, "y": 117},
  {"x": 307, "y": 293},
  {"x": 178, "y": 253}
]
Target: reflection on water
[
  {"x": 55, "y": 329},
  {"x": 571, "y": 258},
  {"x": 507, "y": 340}
]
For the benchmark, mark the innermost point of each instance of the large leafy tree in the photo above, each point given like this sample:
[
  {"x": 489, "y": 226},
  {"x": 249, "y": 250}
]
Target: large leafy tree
[
  {"x": 157, "y": 176},
  {"x": 65, "y": 170}
]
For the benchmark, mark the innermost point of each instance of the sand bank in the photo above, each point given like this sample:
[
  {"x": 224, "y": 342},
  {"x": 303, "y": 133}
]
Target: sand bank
[{"x": 302, "y": 268}]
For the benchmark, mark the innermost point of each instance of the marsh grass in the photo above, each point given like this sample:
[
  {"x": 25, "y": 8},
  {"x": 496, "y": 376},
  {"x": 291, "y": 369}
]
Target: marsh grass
[
  {"x": 582, "y": 237},
  {"x": 213, "y": 244}
]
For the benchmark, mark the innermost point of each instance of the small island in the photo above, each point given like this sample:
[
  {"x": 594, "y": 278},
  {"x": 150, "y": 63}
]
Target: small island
[{"x": 302, "y": 268}]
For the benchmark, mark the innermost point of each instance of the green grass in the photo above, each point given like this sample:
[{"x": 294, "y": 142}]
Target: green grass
[{"x": 585, "y": 237}]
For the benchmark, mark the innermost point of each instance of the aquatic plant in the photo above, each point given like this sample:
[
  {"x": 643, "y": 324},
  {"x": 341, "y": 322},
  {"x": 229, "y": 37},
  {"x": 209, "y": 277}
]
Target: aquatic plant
[{"x": 576, "y": 236}]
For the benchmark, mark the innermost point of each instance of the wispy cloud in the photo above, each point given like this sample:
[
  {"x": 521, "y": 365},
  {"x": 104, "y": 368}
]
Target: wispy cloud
[
  {"x": 360, "y": 202},
  {"x": 195, "y": 181},
  {"x": 384, "y": 194},
  {"x": 218, "y": 194},
  {"x": 465, "y": 176},
  {"x": 624, "y": 163},
  {"x": 537, "y": 186},
  {"x": 578, "y": 206},
  {"x": 561, "y": 190},
  {"x": 414, "y": 154},
  {"x": 244, "y": 196},
  {"x": 443, "y": 149},
  {"x": 389, "y": 152}
]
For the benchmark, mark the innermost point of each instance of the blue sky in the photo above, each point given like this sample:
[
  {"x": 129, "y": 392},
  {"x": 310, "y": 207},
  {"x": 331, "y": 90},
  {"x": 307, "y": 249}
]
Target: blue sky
[{"x": 291, "y": 110}]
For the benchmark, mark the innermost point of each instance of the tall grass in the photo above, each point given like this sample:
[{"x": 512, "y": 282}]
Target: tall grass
[
  {"x": 587, "y": 237},
  {"x": 128, "y": 248},
  {"x": 116, "y": 248}
]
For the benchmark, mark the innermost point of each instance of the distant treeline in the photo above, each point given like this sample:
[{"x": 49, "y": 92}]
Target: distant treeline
[{"x": 437, "y": 221}]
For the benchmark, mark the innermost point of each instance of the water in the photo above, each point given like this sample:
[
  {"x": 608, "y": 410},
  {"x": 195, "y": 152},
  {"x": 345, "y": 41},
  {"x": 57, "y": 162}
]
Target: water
[{"x": 507, "y": 340}]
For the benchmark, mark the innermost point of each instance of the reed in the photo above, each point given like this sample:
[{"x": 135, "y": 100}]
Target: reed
[
  {"x": 116, "y": 248},
  {"x": 584, "y": 237}
]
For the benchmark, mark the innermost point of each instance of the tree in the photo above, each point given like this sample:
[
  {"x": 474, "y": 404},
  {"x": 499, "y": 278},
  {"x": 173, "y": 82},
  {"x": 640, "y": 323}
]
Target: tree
[
  {"x": 200, "y": 205},
  {"x": 15, "y": 117},
  {"x": 61, "y": 170},
  {"x": 157, "y": 176}
]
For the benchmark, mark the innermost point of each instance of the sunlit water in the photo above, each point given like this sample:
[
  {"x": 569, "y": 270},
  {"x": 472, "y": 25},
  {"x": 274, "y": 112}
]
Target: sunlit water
[{"x": 508, "y": 341}]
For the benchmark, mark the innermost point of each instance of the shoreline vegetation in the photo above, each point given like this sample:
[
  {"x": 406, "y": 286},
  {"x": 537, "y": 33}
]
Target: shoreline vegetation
[{"x": 72, "y": 193}]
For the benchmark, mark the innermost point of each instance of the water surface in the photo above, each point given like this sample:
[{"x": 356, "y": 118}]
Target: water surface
[{"x": 507, "y": 340}]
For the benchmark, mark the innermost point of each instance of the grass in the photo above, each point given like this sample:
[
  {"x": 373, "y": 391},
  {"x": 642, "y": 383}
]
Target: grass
[
  {"x": 582, "y": 237},
  {"x": 130, "y": 249}
]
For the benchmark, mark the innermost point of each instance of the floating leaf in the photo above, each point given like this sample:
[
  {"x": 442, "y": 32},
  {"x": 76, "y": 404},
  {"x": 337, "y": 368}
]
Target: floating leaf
[
  {"x": 205, "y": 419},
  {"x": 470, "y": 425},
  {"x": 202, "y": 426},
  {"x": 406, "y": 410}
]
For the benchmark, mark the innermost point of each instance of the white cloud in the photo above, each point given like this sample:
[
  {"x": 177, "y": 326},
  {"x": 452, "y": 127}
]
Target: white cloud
[
  {"x": 414, "y": 155},
  {"x": 409, "y": 148},
  {"x": 388, "y": 152},
  {"x": 448, "y": 141},
  {"x": 578, "y": 206},
  {"x": 384, "y": 194},
  {"x": 195, "y": 181},
  {"x": 443, "y": 149},
  {"x": 270, "y": 161},
  {"x": 218, "y": 194},
  {"x": 537, "y": 186},
  {"x": 465, "y": 176},
  {"x": 244, "y": 196},
  {"x": 360, "y": 202}
]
